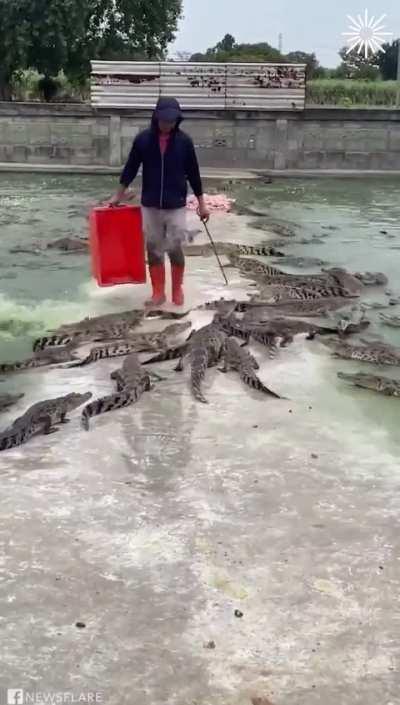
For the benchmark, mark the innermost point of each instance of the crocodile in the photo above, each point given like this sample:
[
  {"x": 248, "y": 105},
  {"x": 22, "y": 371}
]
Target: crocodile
[
  {"x": 312, "y": 307},
  {"x": 224, "y": 248},
  {"x": 214, "y": 305},
  {"x": 392, "y": 321},
  {"x": 373, "y": 352},
  {"x": 173, "y": 353},
  {"x": 236, "y": 358},
  {"x": 372, "y": 278},
  {"x": 69, "y": 244},
  {"x": 7, "y": 400},
  {"x": 109, "y": 327},
  {"x": 283, "y": 292},
  {"x": 383, "y": 385},
  {"x": 112, "y": 332},
  {"x": 301, "y": 262},
  {"x": 313, "y": 286},
  {"x": 131, "y": 317},
  {"x": 286, "y": 329},
  {"x": 233, "y": 326},
  {"x": 41, "y": 418},
  {"x": 132, "y": 381},
  {"x": 262, "y": 222},
  {"x": 335, "y": 276},
  {"x": 343, "y": 327},
  {"x": 204, "y": 350},
  {"x": 262, "y": 332},
  {"x": 139, "y": 342},
  {"x": 41, "y": 358},
  {"x": 254, "y": 267}
]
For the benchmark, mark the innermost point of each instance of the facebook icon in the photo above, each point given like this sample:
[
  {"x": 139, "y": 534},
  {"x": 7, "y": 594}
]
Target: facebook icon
[{"x": 15, "y": 696}]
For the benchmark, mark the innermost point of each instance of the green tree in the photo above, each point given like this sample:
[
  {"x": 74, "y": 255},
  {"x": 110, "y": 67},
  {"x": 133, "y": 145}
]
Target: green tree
[
  {"x": 228, "y": 51},
  {"x": 355, "y": 65},
  {"x": 13, "y": 43},
  {"x": 50, "y": 35},
  {"x": 121, "y": 30},
  {"x": 387, "y": 60},
  {"x": 301, "y": 57},
  {"x": 226, "y": 44},
  {"x": 198, "y": 56},
  {"x": 138, "y": 27}
]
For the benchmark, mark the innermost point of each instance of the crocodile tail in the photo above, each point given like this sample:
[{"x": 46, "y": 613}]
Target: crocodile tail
[
  {"x": 9, "y": 440},
  {"x": 97, "y": 354},
  {"x": 242, "y": 306},
  {"x": 102, "y": 406},
  {"x": 266, "y": 340},
  {"x": 52, "y": 341},
  {"x": 198, "y": 370},
  {"x": 9, "y": 367},
  {"x": 12, "y": 437},
  {"x": 170, "y": 354},
  {"x": 252, "y": 381},
  {"x": 257, "y": 250},
  {"x": 17, "y": 366},
  {"x": 260, "y": 251}
]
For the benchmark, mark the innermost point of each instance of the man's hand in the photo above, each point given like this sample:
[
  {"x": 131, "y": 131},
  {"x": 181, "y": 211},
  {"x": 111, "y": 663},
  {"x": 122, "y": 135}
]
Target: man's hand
[
  {"x": 115, "y": 200},
  {"x": 204, "y": 213},
  {"x": 121, "y": 196}
]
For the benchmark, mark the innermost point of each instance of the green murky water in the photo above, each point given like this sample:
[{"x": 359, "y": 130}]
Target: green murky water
[{"x": 357, "y": 222}]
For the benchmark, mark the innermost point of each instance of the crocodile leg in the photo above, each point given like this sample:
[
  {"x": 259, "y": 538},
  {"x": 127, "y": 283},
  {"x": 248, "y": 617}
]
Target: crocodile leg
[
  {"x": 157, "y": 377},
  {"x": 286, "y": 340},
  {"x": 180, "y": 365},
  {"x": 225, "y": 366},
  {"x": 48, "y": 426}
]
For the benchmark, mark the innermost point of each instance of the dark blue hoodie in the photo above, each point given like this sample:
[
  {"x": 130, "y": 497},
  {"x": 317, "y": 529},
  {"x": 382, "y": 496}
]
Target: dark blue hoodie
[{"x": 164, "y": 176}]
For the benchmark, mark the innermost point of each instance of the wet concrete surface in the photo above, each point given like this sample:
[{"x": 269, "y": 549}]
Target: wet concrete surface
[
  {"x": 167, "y": 517},
  {"x": 169, "y": 520}
]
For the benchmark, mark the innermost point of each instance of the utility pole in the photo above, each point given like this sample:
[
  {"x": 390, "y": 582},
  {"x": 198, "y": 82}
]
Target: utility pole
[
  {"x": 398, "y": 75},
  {"x": 280, "y": 42}
]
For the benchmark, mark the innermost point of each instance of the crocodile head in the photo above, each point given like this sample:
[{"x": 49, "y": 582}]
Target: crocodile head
[
  {"x": 372, "y": 278},
  {"x": 7, "y": 400},
  {"x": 177, "y": 328},
  {"x": 73, "y": 400},
  {"x": 226, "y": 307},
  {"x": 234, "y": 259},
  {"x": 62, "y": 353},
  {"x": 362, "y": 379},
  {"x": 338, "y": 347},
  {"x": 350, "y": 284}
]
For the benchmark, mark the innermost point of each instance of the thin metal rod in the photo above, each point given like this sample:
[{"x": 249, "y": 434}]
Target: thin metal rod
[
  {"x": 398, "y": 75},
  {"x": 215, "y": 251}
]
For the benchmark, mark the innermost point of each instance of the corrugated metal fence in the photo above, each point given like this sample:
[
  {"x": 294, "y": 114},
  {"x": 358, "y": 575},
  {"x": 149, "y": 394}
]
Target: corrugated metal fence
[{"x": 213, "y": 86}]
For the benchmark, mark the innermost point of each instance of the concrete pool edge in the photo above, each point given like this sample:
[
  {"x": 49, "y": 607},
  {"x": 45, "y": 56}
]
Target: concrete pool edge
[{"x": 207, "y": 172}]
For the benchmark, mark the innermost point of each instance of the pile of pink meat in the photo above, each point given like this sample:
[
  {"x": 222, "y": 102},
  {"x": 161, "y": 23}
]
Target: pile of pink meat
[{"x": 217, "y": 202}]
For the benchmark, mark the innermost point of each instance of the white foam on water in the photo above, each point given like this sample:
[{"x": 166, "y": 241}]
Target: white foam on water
[{"x": 17, "y": 318}]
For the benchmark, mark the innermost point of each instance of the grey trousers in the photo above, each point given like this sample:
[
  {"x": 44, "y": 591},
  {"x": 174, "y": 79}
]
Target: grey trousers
[{"x": 165, "y": 231}]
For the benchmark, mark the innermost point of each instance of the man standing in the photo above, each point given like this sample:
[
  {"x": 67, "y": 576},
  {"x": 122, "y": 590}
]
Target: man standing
[{"x": 169, "y": 160}]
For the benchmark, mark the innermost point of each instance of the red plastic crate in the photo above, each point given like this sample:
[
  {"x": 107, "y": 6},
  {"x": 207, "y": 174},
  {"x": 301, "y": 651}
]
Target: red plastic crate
[{"x": 117, "y": 245}]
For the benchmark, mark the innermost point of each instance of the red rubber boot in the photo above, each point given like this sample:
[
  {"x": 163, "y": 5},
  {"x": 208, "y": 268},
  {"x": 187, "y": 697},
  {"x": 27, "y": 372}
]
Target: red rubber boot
[
  {"x": 177, "y": 281},
  {"x": 157, "y": 276}
]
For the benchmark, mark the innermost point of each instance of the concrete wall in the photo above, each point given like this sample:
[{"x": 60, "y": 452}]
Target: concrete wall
[{"x": 318, "y": 138}]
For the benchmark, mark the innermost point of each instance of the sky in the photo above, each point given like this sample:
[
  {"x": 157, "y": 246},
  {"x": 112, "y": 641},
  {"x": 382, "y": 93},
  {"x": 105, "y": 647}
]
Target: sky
[{"x": 306, "y": 25}]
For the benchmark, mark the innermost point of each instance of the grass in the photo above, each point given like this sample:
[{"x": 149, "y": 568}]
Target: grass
[
  {"x": 26, "y": 88},
  {"x": 345, "y": 93},
  {"x": 350, "y": 93}
]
